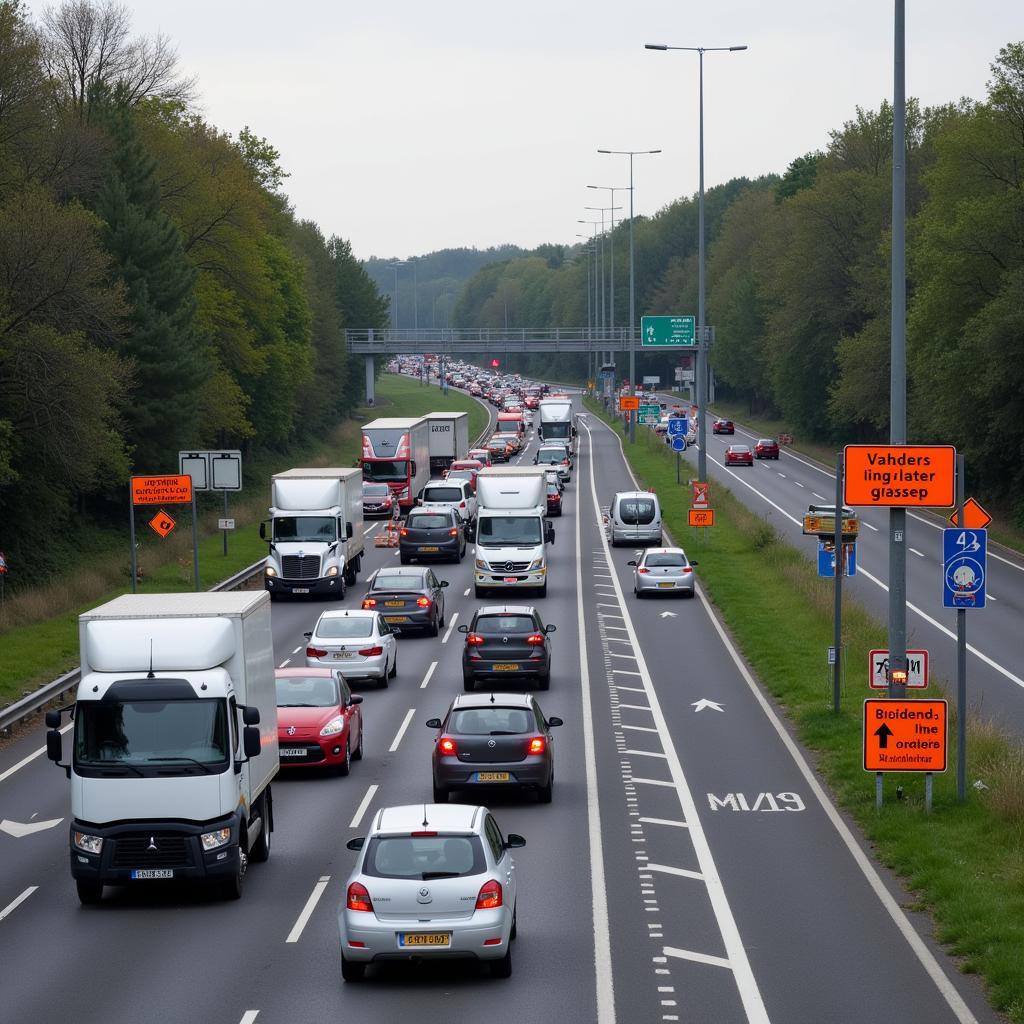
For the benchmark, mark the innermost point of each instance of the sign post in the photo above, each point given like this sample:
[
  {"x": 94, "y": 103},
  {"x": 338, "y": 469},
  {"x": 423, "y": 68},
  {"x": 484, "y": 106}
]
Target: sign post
[
  {"x": 840, "y": 550},
  {"x": 214, "y": 471},
  {"x": 162, "y": 490}
]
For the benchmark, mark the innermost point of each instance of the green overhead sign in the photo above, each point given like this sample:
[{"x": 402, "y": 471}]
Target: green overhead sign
[{"x": 668, "y": 331}]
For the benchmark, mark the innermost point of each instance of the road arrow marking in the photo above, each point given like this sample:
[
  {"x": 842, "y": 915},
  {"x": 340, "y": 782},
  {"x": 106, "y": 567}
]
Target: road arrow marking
[
  {"x": 700, "y": 705},
  {"x": 668, "y": 615},
  {"x": 19, "y": 830}
]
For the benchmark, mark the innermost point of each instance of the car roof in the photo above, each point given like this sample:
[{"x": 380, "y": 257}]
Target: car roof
[
  {"x": 435, "y": 817},
  {"x": 403, "y": 570},
  {"x": 348, "y": 613},
  {"x": 484, "y": 700},
  {"x": 635, "y": 494},
  {"x": 738, "y": 447},
  {"x": 506, "y": 609},
  {"x": 289, "y": 673},
  {"x": 664, "y": 551}
]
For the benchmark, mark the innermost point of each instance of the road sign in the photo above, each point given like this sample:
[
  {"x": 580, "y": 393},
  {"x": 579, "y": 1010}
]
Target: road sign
[
  {"x": 701, "y": 517},
  {"x": 652, "y": 380},
  {"x": 701, "y": 494},
  {"x": 679, "y": 443},
  {"x": 823, "y": 524},
  {"x": 162, "y": 523},
  {"x": 677, "y": 425},
  {"x": 667, "y": 331},
  {"x": 917, "y": 670},
  {"x": 628, "y": 403},
  {"x": 213, "y": 470},
  {"x": 827, "y": 559},
  {"x": 904, "y": 735},
  {"x": 975, "y": 517},
  {"x": 964, "y": 564},
  {"x": 225, "y": 524},
  {"x": 648, "y": 414},
  {"x": 899, "y": 475},
  {"x": 161, "y": 490}
]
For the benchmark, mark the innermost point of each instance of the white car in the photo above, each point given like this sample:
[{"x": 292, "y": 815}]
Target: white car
[
  {"x": 358, "y": 643},
  {"x": 456, "y": 494},
  {"x": 433, "y": 881}
]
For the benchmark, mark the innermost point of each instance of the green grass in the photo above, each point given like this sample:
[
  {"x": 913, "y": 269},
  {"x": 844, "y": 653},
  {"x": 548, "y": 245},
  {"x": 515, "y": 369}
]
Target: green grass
[
  {"x": 964, "y": 863},
  {"x": 40, "y": 634}
]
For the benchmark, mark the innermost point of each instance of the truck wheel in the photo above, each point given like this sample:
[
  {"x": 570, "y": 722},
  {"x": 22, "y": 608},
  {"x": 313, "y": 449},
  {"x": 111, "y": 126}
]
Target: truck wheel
[
  {"x": 261, "y": 848},
  {"x": 350, "y": 574},
  {"x": 352, "y": 971},
  {"x": 231, "y": 889},
  {"x": 90, "y": 893}
]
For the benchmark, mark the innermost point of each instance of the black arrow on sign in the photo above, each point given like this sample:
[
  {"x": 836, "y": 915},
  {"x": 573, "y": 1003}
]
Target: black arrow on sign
[{"x": 883, "y": 732}]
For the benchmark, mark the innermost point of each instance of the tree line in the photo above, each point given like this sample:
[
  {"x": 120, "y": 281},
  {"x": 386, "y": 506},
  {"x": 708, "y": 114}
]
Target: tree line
[{"x": 157, "y": 292}]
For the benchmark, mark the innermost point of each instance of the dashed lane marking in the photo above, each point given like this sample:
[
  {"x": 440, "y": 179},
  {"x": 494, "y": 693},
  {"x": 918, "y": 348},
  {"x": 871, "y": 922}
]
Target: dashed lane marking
[
  {"x": 307, "y": 911},
  {"x": 401, "y": 730},
  {"x": 451, "y": 626},
  {"x": 17, "y": 902},
  {"x": 370, "y": 793},
  {"x": 426, "y": 678}
]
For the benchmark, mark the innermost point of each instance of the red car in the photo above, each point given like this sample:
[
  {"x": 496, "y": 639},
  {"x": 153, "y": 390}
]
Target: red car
[
  {"x": 554, "y": 499},
  {"x": 739, "y": 455},
  {"x": 481, "y": 455},
  {"x": 721, "y": 426},
  {"x": 766, "y": 448},
  {"x": 319, "y": 721}
]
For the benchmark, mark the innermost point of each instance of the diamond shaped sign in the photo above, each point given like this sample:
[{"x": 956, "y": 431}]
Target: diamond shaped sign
[
  {"x": 162, "y": 523},
  {"x": 975, "y": 517}
]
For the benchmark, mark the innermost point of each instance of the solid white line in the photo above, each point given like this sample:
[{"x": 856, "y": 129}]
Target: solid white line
[
  {"x": 371, "y": 792},
  {"x": 307, "y": 911},
  {"x": 635, "y": 707},
  {"x": 451, "y": 626},
  {"x": 31, "y": 757},
  {"x": 869, "y": 526},
  {"x": 639, "y": 728},
  {"x": 604, "y": 987},
  {"x": 401, "y": 730},
  {"x": 700, "y": 958},
  {"x": 370, "y": 529},
  {"x": 665, "y": 869},
  {"x": 430, "y": 672},
  {"x": 14, "y": 904},
  {"x": 249, "y": 1017},
  {"x": 663, "y": 821},
  {"x": 920, "y": 554}
]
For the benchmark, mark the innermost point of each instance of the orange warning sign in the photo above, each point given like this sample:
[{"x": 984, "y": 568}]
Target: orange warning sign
[
  {"x": 702, "y": 517},
  {"x": 701, "y": 494},
  {"x": 161, "y": 490},
  {"x": 629, "y": 403},
  {"x": 899, "y": 475},
  {"x": 975, "y": 517},
  {"x": 904, "y": 735},
  {"x": 162, "y": 523}
]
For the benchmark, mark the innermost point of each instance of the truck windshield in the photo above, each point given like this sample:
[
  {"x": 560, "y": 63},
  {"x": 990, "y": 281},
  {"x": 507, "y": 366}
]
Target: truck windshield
[
  {"x": 147, "y": 734},
  {"x": 319, "y": 529},
  {"x": 386, "y": 471},
  {"x": 504, "y": 531}
]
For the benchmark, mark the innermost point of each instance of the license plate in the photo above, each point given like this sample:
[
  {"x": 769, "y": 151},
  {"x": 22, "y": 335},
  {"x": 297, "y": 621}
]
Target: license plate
[
  {"x": 343, "y": 654},
  {"x": 424, "y": 547},
  {"x": 396, "y": 618},
  {"x": 424, "y": 938},
  {"x": 300, "y": 590},
  {"x": 292, "y": 752},
  {"x": 511, "y": 579},
  {"x": 506, "y": 667},
  {"x": 666, "y": 584},
  {"x": 493, "y": 776},
  {"x": 394, "y": 604},
  {"x": 143, "y": 874}
]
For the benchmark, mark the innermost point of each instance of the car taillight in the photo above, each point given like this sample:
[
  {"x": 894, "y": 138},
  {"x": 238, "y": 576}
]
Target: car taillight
[
  {"x": 447, "y": 746},
  {"x": 371, "y": 652},
  {"x": 454, "y": 531},
  {"x": 474, "y": 640},
  {"x": 642, "y": 570},
  {"x": 535, "y": 639},
  {"x": 422, "y": 832},
  {"x": 489, "y": 896},
  {"x": 403, "y": 532},
  {"x": 315, "y": 652},
  {"x": 537, "y": 745},
  {"x": 423, "y": 602},
  {"x": 358, "y": 898},
  {"x": 369, "y": 602},
  {"x": 686, "y": 569},
  {"x": 462, "y": 504}
]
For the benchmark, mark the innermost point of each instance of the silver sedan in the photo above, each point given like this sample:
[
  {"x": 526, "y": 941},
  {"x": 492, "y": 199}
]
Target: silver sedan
[{"x": 663, "y": 571}]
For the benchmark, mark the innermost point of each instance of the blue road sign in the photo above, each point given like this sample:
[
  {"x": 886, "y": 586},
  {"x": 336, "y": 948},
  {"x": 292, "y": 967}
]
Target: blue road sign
[
  {"x": 677, "y": 425},
  {"x": 678, "y": 442},
  {"x": 964, "y": 564},
  {"x": 827, "y": 559}
]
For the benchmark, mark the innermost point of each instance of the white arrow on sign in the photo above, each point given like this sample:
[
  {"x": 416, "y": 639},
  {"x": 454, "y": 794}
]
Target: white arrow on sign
[
  {"x": 20, "y": 830},
  {"x": 668, "y": 615},
  {"x": 700, "y": 705}
]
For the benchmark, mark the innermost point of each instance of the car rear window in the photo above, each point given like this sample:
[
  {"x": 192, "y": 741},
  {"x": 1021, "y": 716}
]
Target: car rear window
[
  {"x": 435, "y": 521},
  {"x": 424, "y": 857},
  {"x": 491, "y": 721},
  {"x": 496, "y": 625},
  {"x": 766, "y": 440},
  {"x": 663, "y": 560},
  {"x": 355, "y": 625},
  {"x": 442, "y": 494},
  {"x": 636, "y": 511},
  {"x": 396, "y": 582}
]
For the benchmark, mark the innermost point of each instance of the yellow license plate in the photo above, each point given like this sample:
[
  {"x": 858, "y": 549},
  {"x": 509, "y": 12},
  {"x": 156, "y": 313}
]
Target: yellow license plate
[
  {"x": 396, "y": 618},
  {"x": 493, "y": 776},
  {"x": 424, "y": 938},
  {"x": 666, "y": 584},
  {"x": 394, "y": 604},
  {"x": 506, "y": 668},
  {"x": 425, "y": 548}
]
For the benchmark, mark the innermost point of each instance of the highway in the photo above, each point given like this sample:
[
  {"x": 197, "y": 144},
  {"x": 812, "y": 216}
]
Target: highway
[{"x": 690, "y": 867}]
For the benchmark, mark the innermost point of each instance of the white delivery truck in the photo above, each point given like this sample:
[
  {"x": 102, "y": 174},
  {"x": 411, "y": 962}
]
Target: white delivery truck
[
  {"x": 511, "y": 530},
  {"x": 175, "y": 741},
  {"x": 396, "y": 452},
  {"x": 556, "y": 422},
  {"x": 315, "y": 531},
  {"x": 449, "y": 439}
]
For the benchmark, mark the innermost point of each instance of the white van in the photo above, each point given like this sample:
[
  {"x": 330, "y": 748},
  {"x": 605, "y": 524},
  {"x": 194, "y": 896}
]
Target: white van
[{"x": 634, "y": 517}]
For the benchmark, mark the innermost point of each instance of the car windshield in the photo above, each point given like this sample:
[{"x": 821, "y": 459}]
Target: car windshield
[
  {"x": 442, "y": 494},
  {"x": 636, "y": 510},
  {"x": 429, "y": 522},
  {"x": 307, "y": 691},
  {"x": 664, "y": 559},
  {"x": 332, "y": 627},
  {"x": 384, "y": 581},
  {"x": 376, "y": 490},
  {"x": 499, "y": 531},
  {"x": 423, "y": 857},
  {"x": 309, "y": 529},
  {"x": 388, "y": 471},
  {"x": 491, "y": 721},
  {"x": 551, "y": 455},
  {"x": 496, "y": 625}
]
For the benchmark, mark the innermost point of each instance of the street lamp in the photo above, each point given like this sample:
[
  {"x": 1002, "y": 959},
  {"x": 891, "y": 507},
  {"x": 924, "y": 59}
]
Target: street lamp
[
  {"x": 702, "y": 373},
  {"x": 394, "y": 267},
  {"x": 632, "y": 273},
  {"x": 593, "y": 331},
  {"x": 589, "y": 249},
  {"x": 611, "y": 248},
  {"x": 603, "y": 210}
]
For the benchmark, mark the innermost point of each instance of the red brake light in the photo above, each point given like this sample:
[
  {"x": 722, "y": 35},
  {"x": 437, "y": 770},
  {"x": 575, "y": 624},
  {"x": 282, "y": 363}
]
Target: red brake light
[
  {"x": 535, "y": 639},
  {"x": 489, "y": 896},
  {"x": 641, "y": 569},
  {"x": 454, "y": 531},
  {"x": 369, "y": 602},
  {"x": 686, "y": 569},
  {"x": 462, "y": 504},
  {"x": 423, "y": 602},
  {"x": 474, "y": 640},
  {"x": 422, "y": 833},
  {"x": 447, "y": 746},
  {"x": 358, "y": 898},
  {"x": 537, "y": 745},
  {"x": 315, "y": 652},
  {"x": 371, "y": 652}
]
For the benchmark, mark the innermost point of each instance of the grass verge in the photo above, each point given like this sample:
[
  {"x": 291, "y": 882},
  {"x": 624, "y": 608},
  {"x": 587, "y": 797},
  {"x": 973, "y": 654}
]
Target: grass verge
[{"x": 964, "y": 863}]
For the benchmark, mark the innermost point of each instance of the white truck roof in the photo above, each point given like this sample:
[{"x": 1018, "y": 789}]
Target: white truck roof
[
  {"x": 393, "y": 423},
  {"x": 229, "y": 604},
  {"x": 326, "y": 473}
]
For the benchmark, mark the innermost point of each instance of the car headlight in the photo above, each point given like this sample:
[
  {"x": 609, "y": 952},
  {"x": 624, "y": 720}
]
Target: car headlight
[
  {"x": 480, "y": 563},
  {"x": 333, "y": 571},
  {"x": 215, "y": 840},
  {"x": 333, "y": 727},
  {"x": 270, "y": 571},
  {"x": 535, "y": 564},
  {"x": 87, "y": 843}
]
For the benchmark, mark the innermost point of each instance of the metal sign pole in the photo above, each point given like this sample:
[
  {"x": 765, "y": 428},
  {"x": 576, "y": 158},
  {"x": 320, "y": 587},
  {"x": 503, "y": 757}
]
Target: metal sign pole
[
  {"x": 225, "y": 531},
  {"x": 195, "y": 543},
  {"x": 131, "y": 534},
  {"x": 961, "y": 659},
  {"x": 840, "y": 558}
]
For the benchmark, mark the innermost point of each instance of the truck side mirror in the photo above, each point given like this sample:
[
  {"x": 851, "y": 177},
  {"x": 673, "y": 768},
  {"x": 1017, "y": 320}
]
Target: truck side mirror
[
  {"x": 251, "y": 744},
  {"x": 251, "y": 715},
  {"x": 470, "y": 531},
  {"x": 549, "y": 534},
  {"x": 412, "y": 466},
  {"x": 348, "y": 531},
  {"x": 52, "y": 719},
  {"x": 263, "y": 531},
  {"x": 54, "y": 745}
]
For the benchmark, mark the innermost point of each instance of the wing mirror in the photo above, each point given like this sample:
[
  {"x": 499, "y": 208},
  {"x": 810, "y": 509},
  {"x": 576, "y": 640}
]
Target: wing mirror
[
  {"x": 554, "y": 722},
  {"x": 251, "y": 743},
  {"x": 433, "y": 723},
  {"x": 693, "y": 561},
  {"x": 550, "y": 629},
  {"x": 355, "y": 844},
  {"x": 513, "y": 841},
  {"x": 355, "y": 698},
  {"x": 263, "y": 531},
  {"x": 250, "y": 715},
  {"x": 464, "y": 628},
  {"x": 632, "y": 561},
  {"x": 308, "y": 635},
  {"x": 443, "y": 583}
]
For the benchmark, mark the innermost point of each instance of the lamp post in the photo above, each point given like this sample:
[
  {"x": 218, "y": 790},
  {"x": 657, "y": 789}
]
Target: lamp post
[
  {"x": 632, "y": 272},
  {"x": 611, "y": 251},
  {"x": 589, "y": 250},
  {"x": 394, "y": 267},
  {"x": 594, "y": 320},
  {"x": 604, "y": 318},
  {"x": 702, "y": 366}
]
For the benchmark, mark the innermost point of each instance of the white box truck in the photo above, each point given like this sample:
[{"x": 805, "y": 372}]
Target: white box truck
[
  {"x": 396, "y": 451},
  {"x": 556, "y": 422},
  {"x": 175, "y": 741},
  {"x": 449, "y": 439},
  {"x": 315, "y": 532},
  {"x": 511, "y": 531}
]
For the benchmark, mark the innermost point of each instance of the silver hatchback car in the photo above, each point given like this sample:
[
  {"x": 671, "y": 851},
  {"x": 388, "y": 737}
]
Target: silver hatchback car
[
  {"x": 663, "y": 571},
  {"x": 433, "y": 881}
]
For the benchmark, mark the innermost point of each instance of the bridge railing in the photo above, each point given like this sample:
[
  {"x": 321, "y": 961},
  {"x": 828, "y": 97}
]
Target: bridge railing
[{"x": 467, "y": 339}]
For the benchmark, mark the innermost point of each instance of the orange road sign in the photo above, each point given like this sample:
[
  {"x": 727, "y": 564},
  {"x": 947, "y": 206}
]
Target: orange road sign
[
  {"x": 825, "y": 526},
  {"x": 701, "y": 494},
  {"x": 702, "y": 517},
  {"x": 975, "y": 517},
  {"x": 162, "y": 523},
  {"x": 161, "y": 490},
  {"x": 904, "y": 735},
  {"x": 629, "y": 403},
  {"x": 899, "y": 475}
]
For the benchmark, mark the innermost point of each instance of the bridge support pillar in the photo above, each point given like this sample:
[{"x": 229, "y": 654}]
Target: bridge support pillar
[{"x": 369, "y": 380}]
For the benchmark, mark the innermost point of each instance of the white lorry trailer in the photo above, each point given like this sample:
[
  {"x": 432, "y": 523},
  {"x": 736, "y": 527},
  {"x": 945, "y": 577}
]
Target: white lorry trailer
[
  {"x": 556, "y": 422},
  {"x": 315, "y": 532},
  {"x": 175, "y": 741},
  {"x": 396, "y": 451},
  {"x": 511, "y": 531},
  {"x": 449, "y": 439}
]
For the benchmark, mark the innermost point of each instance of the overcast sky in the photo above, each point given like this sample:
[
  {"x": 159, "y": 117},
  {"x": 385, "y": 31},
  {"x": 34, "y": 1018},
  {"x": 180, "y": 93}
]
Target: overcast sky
[{"x": 411, "y": 125}]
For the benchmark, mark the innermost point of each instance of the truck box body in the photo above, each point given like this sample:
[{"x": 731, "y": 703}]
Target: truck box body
[
  {"x": 556, "y": 420},
  {"x": 157, "y": 761},
  {"x": 449, "y": 439},
  {"x": 316, "y": 531},
  {"x": 396, "y": 451}
]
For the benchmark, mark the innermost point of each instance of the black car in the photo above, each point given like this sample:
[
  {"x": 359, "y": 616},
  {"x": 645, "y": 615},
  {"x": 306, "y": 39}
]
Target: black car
[
  {"x": 432, "y": 533},
  {"x": 408, "y": 598},
  {"x": 506, "y": 641},
  {"x": 501, "y": 740}
]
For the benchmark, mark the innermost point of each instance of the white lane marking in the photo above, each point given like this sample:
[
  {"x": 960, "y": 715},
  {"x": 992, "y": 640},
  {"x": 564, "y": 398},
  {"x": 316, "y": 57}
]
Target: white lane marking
[
  {"x": 991, "y": 597},
  {"x": 637, "y": 728},
  {"x": 635, "y": 707},
  {"x": 296, "y": 651},
  {"x": 645, "y": 753},
  {"x": 663, "y": 821},
  {"x": 430, "y": 672},
  {"x": 700, "y": 958},
  {"x": 465, "y": 593},
  {"x": 869, "y": 526},
  {"x": 920, "y": 554},
  {"x": 654, "y": 782},
  {"x": 249, "y": 1017},
  {"x": 18, "y": 829},
  {"x": 370, "y": 529},
  {"x": 307, "y": 911},
  {"x": 401, "y": 730},
  {"x": 451, "y": 626},
  {"x": 991, "y": 553},
  {"x": 820, "y": 497},
  {"x": 666, "y": 869},
  {"x": 15, "y": 903},
  {"x": 31, "y": 757},
  {"x": 370, "y": 793},
  {"x": 604, "y": 987},
  {"x": 284, "y": 664},
  {"x": 797, "y": 482},
  {"x": 783, "y": 475}
]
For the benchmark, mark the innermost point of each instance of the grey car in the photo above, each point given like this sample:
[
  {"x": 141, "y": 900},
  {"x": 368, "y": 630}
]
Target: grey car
[
  {"x": 663, "y": 571},
  {"x": 431, "y": 882}
]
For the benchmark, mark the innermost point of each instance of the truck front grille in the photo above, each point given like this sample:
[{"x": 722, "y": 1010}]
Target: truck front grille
[
  {"x": 300, "y": 567},
  {"x": 509, "y": 566},
  {"x": 152, "y": 851}
]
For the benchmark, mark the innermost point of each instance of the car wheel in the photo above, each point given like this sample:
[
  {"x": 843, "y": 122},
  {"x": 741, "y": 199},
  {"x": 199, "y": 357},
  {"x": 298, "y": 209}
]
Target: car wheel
[
  {"x": 393, "y": 672},
  {"x": 352, "y": 971},
  {"x": 542, "y": 591},
  {"x": 502, "y": 968},
  {"x": 89, "y": 892},
  {"x": 544, "y": 681},
  {"x": 346, "y": 766},
  {"x": 440, "y": 794},
  {"x": 639, "y": 593},
  {"x": 404, "y": 559},
  {"x": 468, "y": 682},
  {"x": 358, "y": 755},
  {"x": 441, "y": 621},
  {"x": 432, "y": 629},
  {"x": 261, "y": 850},
  {"x": 544, "y": 793},
  {"x": 515, "y": 923}
]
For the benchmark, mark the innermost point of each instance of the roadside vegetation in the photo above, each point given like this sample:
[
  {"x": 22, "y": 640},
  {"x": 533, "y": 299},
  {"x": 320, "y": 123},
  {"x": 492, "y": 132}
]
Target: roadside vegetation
[{"x": 964, "y": 863}]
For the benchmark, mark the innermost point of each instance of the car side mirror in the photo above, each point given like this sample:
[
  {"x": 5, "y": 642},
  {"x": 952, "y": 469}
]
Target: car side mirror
[
  {"x": 250, "y": 715},
  {"x": 550, "y": 629},
  {"x": 356, "y": 844},
  {"x": 251, "y": 744},
  {"x": 355, "y": 698},
  {"x": 554, "y": 722},
  {"x": 433, "y": 723},
  {"x": 693, "y": 561},
  {"x": 263, "y": 531},
  {"x": 54, "y": 745},
  {"x": 632, "y": 561},
  {"x": 443, "y": 583},
  {"x": 464, "y": 628},
  {"x": 308, "y": 635},
  {"x": 513, "y": 841}
]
